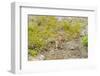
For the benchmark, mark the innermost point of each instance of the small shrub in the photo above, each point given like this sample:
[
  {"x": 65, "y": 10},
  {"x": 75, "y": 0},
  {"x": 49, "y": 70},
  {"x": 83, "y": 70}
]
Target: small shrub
[
  {"x": 32, "y": 52},
  {"x": 85, "y": 40}
]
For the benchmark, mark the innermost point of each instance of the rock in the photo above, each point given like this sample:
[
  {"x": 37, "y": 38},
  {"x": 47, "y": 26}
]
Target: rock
[
  {"x": 41, "y": 57},
  {"x": 84, "y": 52},
  {"x": 72, "y": 48},
  {"x": 72, "y": 45},
  {"x": 38, "y": 57}
]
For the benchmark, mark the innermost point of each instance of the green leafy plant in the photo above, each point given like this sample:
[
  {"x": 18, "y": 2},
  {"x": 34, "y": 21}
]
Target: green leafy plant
[{"x": 85, "y": 40}]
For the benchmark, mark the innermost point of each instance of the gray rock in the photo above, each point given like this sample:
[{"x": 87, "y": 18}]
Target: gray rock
[
  {"x": 38, "y": 57},
  {"x": 72, "y": 48},
  {"x": 41, "y": 57}
]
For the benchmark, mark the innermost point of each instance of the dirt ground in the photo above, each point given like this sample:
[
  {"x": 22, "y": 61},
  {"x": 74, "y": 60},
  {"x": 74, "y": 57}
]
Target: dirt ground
[{"x": 69, "y": 50}]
